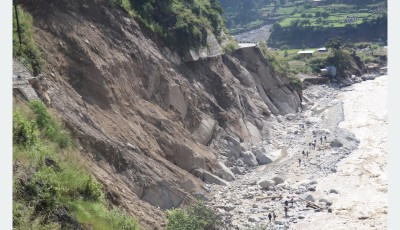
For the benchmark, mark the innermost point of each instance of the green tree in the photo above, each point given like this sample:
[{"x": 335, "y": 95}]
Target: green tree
[{"x": 335, "y": 43}]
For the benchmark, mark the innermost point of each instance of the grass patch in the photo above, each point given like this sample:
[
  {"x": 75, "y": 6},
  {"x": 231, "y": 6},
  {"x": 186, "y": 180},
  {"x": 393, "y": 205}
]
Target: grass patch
[{"x": 50, "y": 177}]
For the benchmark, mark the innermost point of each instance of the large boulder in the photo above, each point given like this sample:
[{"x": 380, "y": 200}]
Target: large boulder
[
  {"x": 266, "y": 183},
  {"x": 313, "y": 120},
  {"x": 262, "y": 158},
  {"x": 205, "y": 130},
  {"x": 225, "y": 173},
  {"x": 162, "y": 194},
  {"x": 249, "y": 158},
  {"x": 209, "y": 177},
  {"x": 309, "y": 198},
  {"x": 230, "y": 147},
  {"x": 274, "y": 155},
  {"x": 278, "y": 180},
  {"x": 254, "y": 133},
  {"x": 261, "y": 155},
  {"x": 335, "y": 143}
]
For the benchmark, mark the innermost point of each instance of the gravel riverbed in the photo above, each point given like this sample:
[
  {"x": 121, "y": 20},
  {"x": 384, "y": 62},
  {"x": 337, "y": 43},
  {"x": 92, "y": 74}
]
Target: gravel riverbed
[{"x": 342, "y": 184}]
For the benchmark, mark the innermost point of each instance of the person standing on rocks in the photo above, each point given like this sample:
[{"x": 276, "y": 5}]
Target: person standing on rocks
[
  {"x": 304, "y": 153},
  {"x": 307, "y": 154},
  {"x": 320, "y": 139},
  {"x": 299, "y": 161},
  {"x": 292, "y": 201},
  {"x": 269, "y": 217},
  {"x": 273, "y": 215},
  {"x": 325, "y": 138},
  {"x": 286, "y": 211}
]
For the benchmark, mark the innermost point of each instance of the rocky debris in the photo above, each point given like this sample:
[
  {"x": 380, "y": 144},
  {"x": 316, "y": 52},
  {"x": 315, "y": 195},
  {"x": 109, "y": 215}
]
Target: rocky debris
[
  {"x": 249, "y": 158},
  {"x": 327, "y": 202},
  {"x": 291, "y": 136},
  {"x": 254, "y": 219}
]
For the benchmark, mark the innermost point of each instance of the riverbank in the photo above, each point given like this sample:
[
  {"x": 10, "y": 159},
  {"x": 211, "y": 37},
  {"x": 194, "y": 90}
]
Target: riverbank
[{"x": 248, "y": 200}]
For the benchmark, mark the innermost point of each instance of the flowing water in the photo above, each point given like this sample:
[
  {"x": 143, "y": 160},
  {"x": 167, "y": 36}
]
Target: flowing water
[{"x": 361, "y": 178}]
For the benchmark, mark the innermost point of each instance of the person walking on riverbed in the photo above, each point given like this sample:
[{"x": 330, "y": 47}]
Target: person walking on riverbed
[
  {"x": 299, "y": 161},
  {"x": 320, "y": 139},
  {"x": 286, "y": 211},
  {"x": 273, "y": 215},
  {"x": 269, "y": 217}
]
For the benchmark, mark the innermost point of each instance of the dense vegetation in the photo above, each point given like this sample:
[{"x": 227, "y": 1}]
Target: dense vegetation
[
  {"x": 26, "y": 51},
  {"x": 51, "y": 188},
  {"x": 302, "y": 33},
  {"x": 181, "y": 23},
  {"x": 330, "y": 17},
  {"x": 195, "y": 217}
]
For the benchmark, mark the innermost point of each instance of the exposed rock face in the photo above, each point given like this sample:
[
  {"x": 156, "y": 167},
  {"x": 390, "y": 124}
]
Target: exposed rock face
[
  {"x": 273, "y": 89},
  {"x": 114, "y": 83}
]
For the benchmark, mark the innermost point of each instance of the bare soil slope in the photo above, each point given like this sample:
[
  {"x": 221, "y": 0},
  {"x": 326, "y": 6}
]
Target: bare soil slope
[{"x": 145, "y": 120}]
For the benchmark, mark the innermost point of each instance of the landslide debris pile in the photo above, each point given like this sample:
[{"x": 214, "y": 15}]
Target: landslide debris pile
[{"x": 149, "y": 123}]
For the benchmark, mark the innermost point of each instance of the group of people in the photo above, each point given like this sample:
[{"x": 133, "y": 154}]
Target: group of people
[
  {"x": 273, "y": 215},
  {"x": 312, "y": 144}
]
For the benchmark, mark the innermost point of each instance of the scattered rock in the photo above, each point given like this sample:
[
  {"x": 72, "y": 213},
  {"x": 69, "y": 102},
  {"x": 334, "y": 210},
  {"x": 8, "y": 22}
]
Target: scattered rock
[
  {"x": 333, "y": 191},
  {"x": 290, "y": 116},
  {"x": 327, "y": 202},
  {"x": 309, "y": 198},
  {"x": 249, "y": 158},
  {"x": 254, "y": 219},
  {"x": 311, "y": 188},
  {"x": 237, "y": 170},
  {"x": 313, "y": 120},
  {"x": 335, "y": 143}
]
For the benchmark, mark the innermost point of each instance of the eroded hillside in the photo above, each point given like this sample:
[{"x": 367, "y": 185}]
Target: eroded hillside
[{"x": 150, "y": 125}]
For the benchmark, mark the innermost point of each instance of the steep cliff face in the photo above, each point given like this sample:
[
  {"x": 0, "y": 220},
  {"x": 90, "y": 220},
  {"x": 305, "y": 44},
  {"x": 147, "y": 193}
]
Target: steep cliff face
[{"x": 151, "y": 126}]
